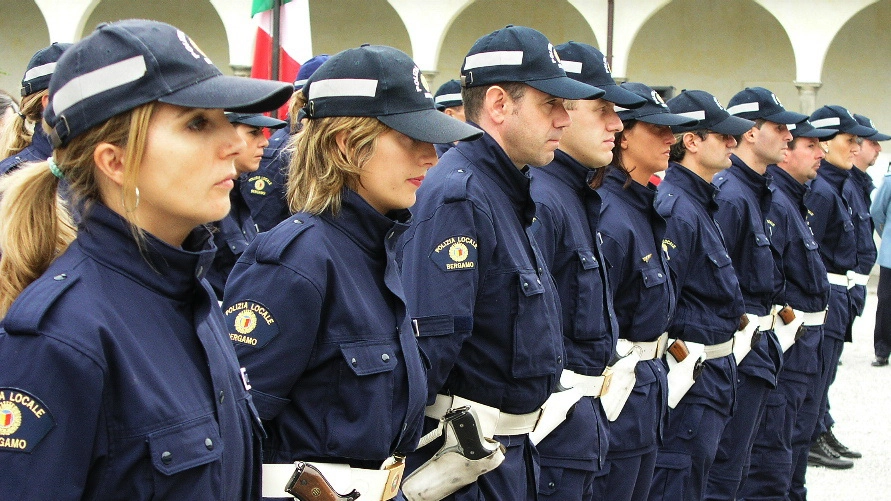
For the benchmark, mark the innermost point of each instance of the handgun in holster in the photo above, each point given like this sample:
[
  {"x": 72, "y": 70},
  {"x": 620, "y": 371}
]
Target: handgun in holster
[
  {"x": 308, "y": 484},
  {"x": 464, "y": 456}
]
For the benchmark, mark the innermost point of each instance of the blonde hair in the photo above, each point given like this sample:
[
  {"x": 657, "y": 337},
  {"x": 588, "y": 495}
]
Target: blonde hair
[
  {"x": 35, "y": 222},
  {"x": 319, "y": 170},
  {"x": 19, "y": 132}
]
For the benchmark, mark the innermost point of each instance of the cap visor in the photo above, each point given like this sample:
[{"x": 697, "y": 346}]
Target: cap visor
[
  {"x": 431, "y": 126},
  {"x": 566, "y": 88},
  {"x": 878, "y": 136},
  {"x": 666, "y": 118},
  {"x": 821, "y": 134},
  {"x": 786, "y": 117},
  {"x": 259, "y": 121},
  {"x": 241, "y": 94},
  {"x": 618, "y": 95},
  {"x": 859, "y": 130},
  {"x": 732, "y": 125}
]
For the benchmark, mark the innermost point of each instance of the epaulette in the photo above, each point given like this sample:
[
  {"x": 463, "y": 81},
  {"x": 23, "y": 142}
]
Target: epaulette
[
  {"x": 719, "y": 179},
  {"x": 32, "y": 304},
  {"x": 272, "y": 247},
  {"x": 456, "y": 185},
  {"x": 665, "y": 205}
]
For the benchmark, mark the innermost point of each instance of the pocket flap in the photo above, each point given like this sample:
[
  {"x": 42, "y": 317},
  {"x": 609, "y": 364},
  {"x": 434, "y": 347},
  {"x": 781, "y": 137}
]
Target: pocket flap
[
  {"x": 848, "y": 225},
  {"x": 652, "y": 276},
  {"x": 186, "y": 445},
  {"x": 369, "y": 357},
  {"x": 761, "y": 240},
  {"x": 720, "y": 258},
  {"x": 530, "y": 284},
  {"x": 588, "y": 259},
  {"x": 810, "y": 244}
]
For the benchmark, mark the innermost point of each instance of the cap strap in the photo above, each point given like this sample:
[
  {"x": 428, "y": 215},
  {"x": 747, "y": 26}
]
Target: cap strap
[
  {"x": 97, "y": 81},
  {"x": 572, "y": 66},
  {"x": 497, "y": 58},
  {"x": 447, "y": 97},
  {"x": 695, "y": 115},
  {"x": 743, "y": 108},
  {"x": 826, "y": 122},
  {"x": 39, "y": 71},
  {"x": 343, "y": 87}
]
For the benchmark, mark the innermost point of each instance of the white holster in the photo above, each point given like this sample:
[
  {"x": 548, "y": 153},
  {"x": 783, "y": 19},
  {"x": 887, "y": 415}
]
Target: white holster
[
  {"x": 557, "y": 406},
  {"x": 621, "y": 385},
  {"x": 680, "y": 374},
  {"x": 742, "y": 343},
  {"x": 788, "y": 333}
]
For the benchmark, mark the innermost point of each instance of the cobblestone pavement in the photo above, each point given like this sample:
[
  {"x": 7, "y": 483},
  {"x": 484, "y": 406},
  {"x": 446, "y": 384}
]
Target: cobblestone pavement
[{"x": 861, "y": 404}]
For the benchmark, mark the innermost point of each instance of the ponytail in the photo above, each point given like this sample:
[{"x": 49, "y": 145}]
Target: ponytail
[{"x": 20, "y": 130}]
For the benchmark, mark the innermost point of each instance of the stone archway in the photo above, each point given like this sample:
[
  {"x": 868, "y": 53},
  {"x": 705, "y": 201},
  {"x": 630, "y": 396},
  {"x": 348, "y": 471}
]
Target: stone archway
[{"x": 20, "y": 40}]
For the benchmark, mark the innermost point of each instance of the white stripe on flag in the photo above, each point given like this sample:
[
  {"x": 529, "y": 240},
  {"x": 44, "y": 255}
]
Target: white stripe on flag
[
  {"x": 448, "y": 97},
  {"x": 695, "y": 115},
  {"x": 743, "y": 108},
  {"x": 826, "y": 122},
  {"x": 40, "y": 71},
  {"x": 572, "y": 66},
  {"x": 497, "y": 58},
  {"x": 97, "y": 82},
  {"x": 343, "y": 87}
]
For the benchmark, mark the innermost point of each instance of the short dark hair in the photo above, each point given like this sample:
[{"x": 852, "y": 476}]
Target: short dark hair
[
  {"x": 678, "y": 149},
  {"x": 473, "y": 97},
  {"x": 758, "y": 123}
]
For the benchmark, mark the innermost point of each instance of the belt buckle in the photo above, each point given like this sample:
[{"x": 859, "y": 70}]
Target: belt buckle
[
  {"x": 607, "y": 379},
  {"x": 394, "y": 478}
]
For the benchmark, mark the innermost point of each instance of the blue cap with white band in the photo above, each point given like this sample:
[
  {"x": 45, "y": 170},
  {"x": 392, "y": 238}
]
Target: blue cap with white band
[
  {"x": 448, "y": 95},
  {"x": 839, "y": 118},
  {"x": 41, "y": 67},
  {"x": 126, "y": 64}
]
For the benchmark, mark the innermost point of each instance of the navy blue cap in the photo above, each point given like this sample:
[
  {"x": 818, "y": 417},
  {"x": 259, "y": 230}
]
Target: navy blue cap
[
  {"x": 448, "y": 95},
  {"x": 586, "y": 64},
  {"x": 41, "y": 67},
  {"x": 866, "y": 122},
  {"x": 524, "y": 55},
  {"x": 255, "y": 120},
  {"x": 757, "y": 102},
  {"x": 308, "y": 68},
  {"x": 382, "y": 82},
  {"x": 653, "y": 110},
  {"x": 126, "y": 64},
  {"x": 704, "y": 107},
  {"x": 805, "y": 129},
  {"x": 836, "y": 117}
]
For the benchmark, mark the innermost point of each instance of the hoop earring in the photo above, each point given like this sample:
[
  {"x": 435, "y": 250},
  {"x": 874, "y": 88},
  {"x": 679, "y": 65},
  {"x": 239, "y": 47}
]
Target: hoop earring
[
  {"x": 124, "y": 201},
  {"x": 137, "y": 199}
]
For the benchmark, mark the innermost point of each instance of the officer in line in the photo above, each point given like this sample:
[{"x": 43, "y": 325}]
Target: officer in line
[
  {"x": 710, "y": 303},
  {"x": 743, "y": 200},
  {"x": 642, "y": 291},
  {"x": 448, "y": 100},
  {"x": 880, "y": 211},
  {"x": 114, "y": 352},
  {"x": 831, "y": 220},
  {"x": 370, "y": 125},
  {"x": 235, "y": 231},
  {"x": 779, "y": 452},
  {"x": 567, "y": 221},
  {"x": 264, "y": 190},
  {"x": 27, "y": 141},
  {"x": 491, "y": 326}
]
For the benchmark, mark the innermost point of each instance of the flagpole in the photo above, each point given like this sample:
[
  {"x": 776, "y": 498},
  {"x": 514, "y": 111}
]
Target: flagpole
[{"x": 276, "y": 43}]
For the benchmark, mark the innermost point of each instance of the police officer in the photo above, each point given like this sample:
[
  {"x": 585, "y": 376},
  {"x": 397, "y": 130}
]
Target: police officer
[
  {"x": 710, "y": 303},
  {"x": 879, "y": 212},
  {"x": 567, "y": 218},
  {"x": 778, "y": 461},
  {"x": 831, "y": 217},
  {"x": 642, "y": 291},
  {"x": 490, "y": 326},
  {"x": 315, "y": 306},
  {"x": 448, "y": 100},
  {"x": 115, "y": 357},
  {"x": 743, "y": 200},
  {"x": 27, "y": 142},
  {"x": 235, "y": 231},
  {"x": 264, "y": 189}
]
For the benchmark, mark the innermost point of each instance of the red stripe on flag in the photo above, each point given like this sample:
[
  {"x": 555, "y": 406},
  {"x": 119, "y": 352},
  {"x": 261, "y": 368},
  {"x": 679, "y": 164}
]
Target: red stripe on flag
[{"x": 262, "y": 67}]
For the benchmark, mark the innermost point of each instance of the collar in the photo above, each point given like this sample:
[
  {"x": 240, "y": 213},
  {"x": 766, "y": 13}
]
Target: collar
[
  {"x": 701, "y": 191},
  {"x": 570, "y": 172},
  {"x": 364, "y": 225},
  {"x": 637, "y": 195},
  {"x": 787, "y": 183},
  {"x": 756, "y": 182},
  {"x": 490, "y": 159},
  {"x": 863, "y": 180},
  {"x": 832, "y": 174},
  {"x": 106, "y": 237},
  {"x": 41, "y": 142}
]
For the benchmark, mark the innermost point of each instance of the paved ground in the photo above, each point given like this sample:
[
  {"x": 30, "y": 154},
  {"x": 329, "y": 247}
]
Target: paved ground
[{"x": 862, "y": 410}]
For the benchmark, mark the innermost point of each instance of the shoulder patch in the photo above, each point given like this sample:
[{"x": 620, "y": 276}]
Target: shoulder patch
[
  {"x": 274, "y": 242},
  {"x": 24, "y": 420},
  {"x": 456, "y": 185},
  {"x": 259, "y": 185},
  {"x": 250, "y": 324},
  {"x": 455, "y": 253}
]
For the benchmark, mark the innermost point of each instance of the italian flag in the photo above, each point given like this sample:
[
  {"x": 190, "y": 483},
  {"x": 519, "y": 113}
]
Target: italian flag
[{"x": 294, "y": 35}]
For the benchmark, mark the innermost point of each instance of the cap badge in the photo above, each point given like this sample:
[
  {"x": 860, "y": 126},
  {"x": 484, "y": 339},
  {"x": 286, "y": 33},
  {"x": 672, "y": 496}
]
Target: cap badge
[
  {"x": 718, "y": 103},
  {"x": 606, "y": 66},
  {"x": 555, "y": 58},
  {"x": 776, "y": 99},
  {"x": 658, "y": 99},
  {"x": 192, "y": 47}
]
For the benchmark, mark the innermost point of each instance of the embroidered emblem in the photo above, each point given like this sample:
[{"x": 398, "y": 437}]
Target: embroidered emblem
[
  {"x": 250, "y": 324},
  {"x": 24, "y": 420},
  {"x": 646, "y": 258},
  {"x": 260, "y": 185},
  {"x": 455, "y": 253}
]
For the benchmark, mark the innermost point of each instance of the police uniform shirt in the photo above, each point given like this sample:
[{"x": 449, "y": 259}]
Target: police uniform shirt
[
  {"x": 743, "y": 198},
  {"x": 317, "y": 314},
  {"x": 643, "y": 298},
  {"x": 442, "y": 148},
  {"x": 856, "y": 190},
  {"x": 708, "y": 294},
  {"x": 118, "y": 379},
  {"x": 484, "y": 302},
  {"x": 264, "y": 189},
  {"x": 39, "y": 150},
  {"x": 232, "y": 235},
  {"x": 567, "y": 221}
]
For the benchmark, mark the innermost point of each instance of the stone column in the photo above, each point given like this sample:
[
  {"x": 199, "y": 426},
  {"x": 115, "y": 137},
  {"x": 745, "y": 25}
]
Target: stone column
[{"x": 807, "y": 96}]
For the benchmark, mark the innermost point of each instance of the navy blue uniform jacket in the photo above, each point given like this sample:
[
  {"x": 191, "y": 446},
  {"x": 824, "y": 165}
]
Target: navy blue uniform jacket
[
  {"x": 38, "y": 151},
  {"x": 316, "y": 310},
  {"x": 857, "y": 190},
  {"x": 264, "y": 190},
  {"x": 126, "y": 355},
  {"x": 232, "y": 235}
]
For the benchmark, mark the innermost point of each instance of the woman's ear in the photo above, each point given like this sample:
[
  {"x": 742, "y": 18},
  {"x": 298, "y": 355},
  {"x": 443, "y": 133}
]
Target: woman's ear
[
  {"x": 109, "y": 159},
  {"x": 341, "y": 138}
]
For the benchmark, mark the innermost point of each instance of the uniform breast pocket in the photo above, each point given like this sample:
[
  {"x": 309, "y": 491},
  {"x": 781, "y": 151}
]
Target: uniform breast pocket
[
  {"x": 761, "y": 276},
  {"x": 363, "y": 410},
  {"x": 186, "y": 460},
  {"x": 813, "y": 275},
  {"x": 588, "y": 315},
  {"x": 534, "y": 351},
  {"x": 724, "y": 281}
]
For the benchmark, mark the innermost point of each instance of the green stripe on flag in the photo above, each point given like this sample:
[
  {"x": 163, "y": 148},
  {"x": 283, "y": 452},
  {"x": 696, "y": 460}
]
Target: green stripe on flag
[{"x": 261, "y": 5}]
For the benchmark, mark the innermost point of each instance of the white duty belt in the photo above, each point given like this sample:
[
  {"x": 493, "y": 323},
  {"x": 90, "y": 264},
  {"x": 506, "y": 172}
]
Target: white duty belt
[
  {"x": 812, "y": 318},
  {"x": 718, "y": 350},
  {"x": 492, "y": 420},
  {"x": 838, "y": 279},
  {"x": 765, "y": 322},
  {"x": 590, "y": 386},
  {"x": 646, "y": 350},
  {"x": 375, "y": 485},
  {"x": 856, "y": 278}
]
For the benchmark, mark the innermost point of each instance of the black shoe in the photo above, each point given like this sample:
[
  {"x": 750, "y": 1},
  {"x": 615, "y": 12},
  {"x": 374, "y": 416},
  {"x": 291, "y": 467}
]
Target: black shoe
[
  {"x": 822, "y": 455},
  {"x": 838, "y": 447},
  {"x": 880, "y": 362}
]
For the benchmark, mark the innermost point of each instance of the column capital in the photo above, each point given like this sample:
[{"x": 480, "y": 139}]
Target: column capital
[{"x": 807, "y": 96}]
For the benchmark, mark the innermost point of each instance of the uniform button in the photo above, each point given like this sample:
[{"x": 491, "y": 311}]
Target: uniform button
[
  {"x": 559, "y": 360},
  {"x": 222, "y": 396},
  {"x": 354, "y": 362},
  {"x": 540, "y": 271},
  {"x": 60, "y": 277},
  {"x": 385, "y": 357},
  {"x": 166, "y": 457},
  {"x": 659, "y": 275},
  {"x": 208, "y": 443},
  {"x": 460, "y": 170},
  {"x": 584, "y": 260},
  {"x": 297, "y": 221},
  {"x": 551, "y": 485},
  {"x": 539, "y": 281},
  {"x": 525, "y": 285}
]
